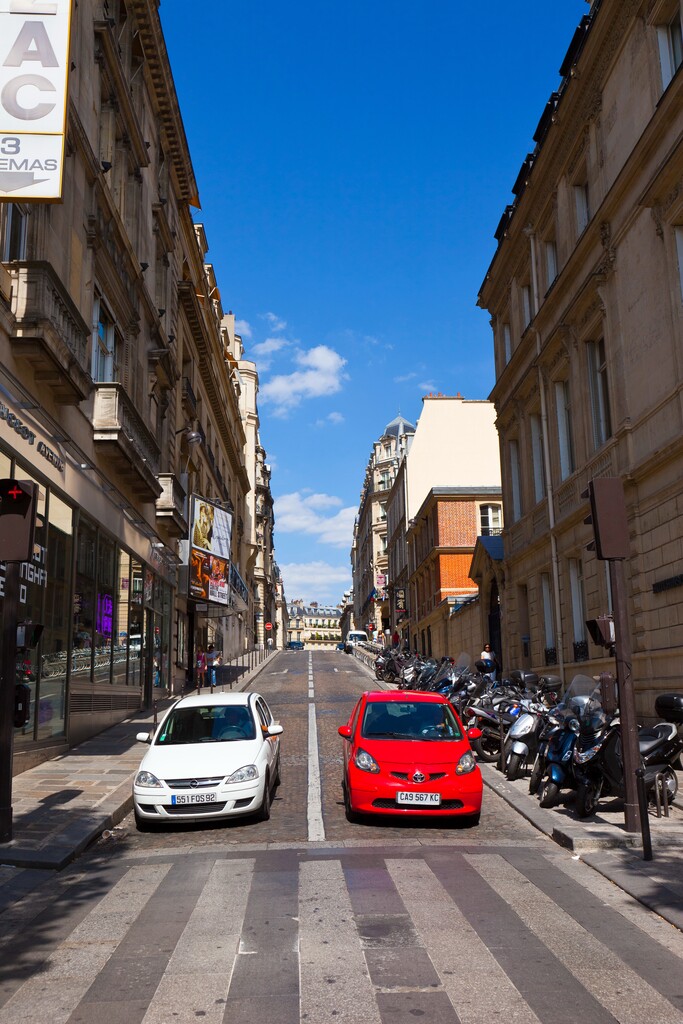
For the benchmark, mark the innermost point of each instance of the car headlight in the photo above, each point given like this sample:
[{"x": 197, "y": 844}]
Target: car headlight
[
  {"x": 581, "y": 756},
  {"x": 246, "y": 774},
  {"x": 466, "y": 764},
  {"x": 365, "y": 762},
  {"x": 147, "y": 780}
]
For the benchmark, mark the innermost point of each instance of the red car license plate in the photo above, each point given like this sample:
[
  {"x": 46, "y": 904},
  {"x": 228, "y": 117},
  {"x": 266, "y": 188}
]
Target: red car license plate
[{"x": 419, "y": 799}]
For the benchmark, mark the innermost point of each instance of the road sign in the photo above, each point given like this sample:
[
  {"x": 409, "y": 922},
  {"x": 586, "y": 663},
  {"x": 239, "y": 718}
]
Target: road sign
[
  {"x": 17, "y": 519},
  {"x": 269, "y": 625}
]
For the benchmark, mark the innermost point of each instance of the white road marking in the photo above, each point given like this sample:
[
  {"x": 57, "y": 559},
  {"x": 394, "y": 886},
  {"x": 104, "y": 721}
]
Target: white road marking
[{"x": 316, "y": 828}]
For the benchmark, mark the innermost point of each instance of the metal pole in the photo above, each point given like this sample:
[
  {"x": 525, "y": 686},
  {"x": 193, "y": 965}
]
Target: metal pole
[
  {"x": 644, "y": 820},
  {"x": 8, "y": 667},
  {"x": 627, "y": 704}
]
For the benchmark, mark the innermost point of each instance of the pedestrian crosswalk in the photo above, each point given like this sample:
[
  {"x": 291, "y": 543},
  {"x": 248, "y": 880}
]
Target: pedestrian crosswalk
[{"x": 366, "y": 935}]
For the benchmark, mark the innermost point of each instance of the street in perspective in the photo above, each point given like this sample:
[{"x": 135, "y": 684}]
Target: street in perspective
[{"x": 305, "y": 916}]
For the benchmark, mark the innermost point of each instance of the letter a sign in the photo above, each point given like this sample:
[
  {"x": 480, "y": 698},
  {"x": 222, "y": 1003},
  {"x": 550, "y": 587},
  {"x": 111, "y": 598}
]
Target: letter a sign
[{"x": 34, "y": 62}]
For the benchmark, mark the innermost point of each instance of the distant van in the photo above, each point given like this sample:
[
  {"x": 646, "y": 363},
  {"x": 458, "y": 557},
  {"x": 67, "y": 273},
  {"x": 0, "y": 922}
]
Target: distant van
[{"x": 356, "y": 636}]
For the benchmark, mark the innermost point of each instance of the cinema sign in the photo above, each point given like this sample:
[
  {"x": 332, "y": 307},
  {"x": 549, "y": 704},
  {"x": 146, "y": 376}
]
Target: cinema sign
[{"x": 34, "y": 62}]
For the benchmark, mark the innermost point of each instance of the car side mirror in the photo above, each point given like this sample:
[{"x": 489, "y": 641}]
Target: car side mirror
[
  {"x": 144, "y": 737},
  {"x": 473, "y": 733},
  {"x": 345, "y": 732},
  {"x": 274, "y": 730}
]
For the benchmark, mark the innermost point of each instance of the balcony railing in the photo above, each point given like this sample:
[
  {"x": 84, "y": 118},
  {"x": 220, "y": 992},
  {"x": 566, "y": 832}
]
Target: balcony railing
[
  {"x": 188, "y": 398},
  {"x": 170, "y": 505},
  {"x": 49, "y": 332},
  {"x": 119, "y": 432}
]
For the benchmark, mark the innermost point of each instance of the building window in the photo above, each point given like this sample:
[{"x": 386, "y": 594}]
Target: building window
[
  {"x": 515, "y": 481},
  {"x": 599, "y": 392},
  {"x": 582, "y": 207},
  {"x": 670, "y": 39},
  {"x": 14, "y": 223},
  {"x": 537, "y": 456},
  {"x": 578, "y": 607},
  {"x": 550, "y": 262},
  {"x": 491, "y": 518},
  {"x": 527, "y": 309},
  {"x": 507, "y": 343},
  {"x": 548, "y": 619},
  {"x": 105, "y": 355},
  {"x": 564, "y": 429}
]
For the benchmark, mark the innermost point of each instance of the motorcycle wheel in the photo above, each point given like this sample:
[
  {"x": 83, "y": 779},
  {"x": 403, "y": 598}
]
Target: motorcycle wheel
[
  {"x": 548, "y": 793},
  {"x": 586, "y": 800},
  {"x": 514, "y": 768},
  {"x": 487, "y": 748},
  {"x": 536, "y": 776},
  {"x": 388, "y": 677}
]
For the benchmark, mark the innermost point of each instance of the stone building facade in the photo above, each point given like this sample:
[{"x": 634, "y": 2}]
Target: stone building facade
[
  {"x": 585, "y": 293},
  {"x": 118, "y": 397}
]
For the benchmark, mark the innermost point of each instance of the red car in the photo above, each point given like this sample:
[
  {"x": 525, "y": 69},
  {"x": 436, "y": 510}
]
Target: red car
[{"x": 408, "y": 754}]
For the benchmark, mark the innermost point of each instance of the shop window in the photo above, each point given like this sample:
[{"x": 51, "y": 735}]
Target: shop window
[
  {"x": 105, "y": 609},
  {"x": 122, "y": 622},
  {"x": 57, "y": 619},
  {"x": 84, "y": 602}
]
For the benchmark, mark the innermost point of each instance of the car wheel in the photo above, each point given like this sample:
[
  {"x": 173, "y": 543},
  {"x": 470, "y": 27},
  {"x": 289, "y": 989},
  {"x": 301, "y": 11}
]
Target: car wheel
[
  {"x": 143, "y": 824},
  {"x": 469, "y": 820},
  {"x": 351, "y": 815},
  {"x": 263, "y": 813},
  {"x": 514, "y": 768},
  {"x": 548, "y": 793}
]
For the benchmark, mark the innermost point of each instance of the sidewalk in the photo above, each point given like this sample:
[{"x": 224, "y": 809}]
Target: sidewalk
[{"x": 61, "y": 806}]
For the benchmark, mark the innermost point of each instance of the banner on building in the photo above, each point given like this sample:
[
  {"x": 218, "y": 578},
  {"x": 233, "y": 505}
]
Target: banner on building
[
  {"x": 34, "y": 67},
  {"x": 400, "y": 604},
  {"x": 210, "y": 538}
]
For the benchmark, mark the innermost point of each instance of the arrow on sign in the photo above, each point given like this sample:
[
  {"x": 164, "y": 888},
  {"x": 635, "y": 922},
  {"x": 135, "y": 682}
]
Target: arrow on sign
[{"x": 11, "y": 181}]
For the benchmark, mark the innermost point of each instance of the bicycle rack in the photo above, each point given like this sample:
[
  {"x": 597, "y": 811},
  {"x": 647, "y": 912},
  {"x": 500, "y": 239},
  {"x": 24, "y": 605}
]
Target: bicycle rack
[{"x": 661, "y": 795}]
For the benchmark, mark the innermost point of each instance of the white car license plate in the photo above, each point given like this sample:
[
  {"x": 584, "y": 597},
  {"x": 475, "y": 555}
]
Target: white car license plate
[
  {"x": 419, "y": 799},
  {"x": 194, "y": 798}
]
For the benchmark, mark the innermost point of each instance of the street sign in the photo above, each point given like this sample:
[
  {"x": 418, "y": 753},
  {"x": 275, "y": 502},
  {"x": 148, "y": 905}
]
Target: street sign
[
  {"x": 269, "y": 625},
  {"x": 34, "y": 57}
]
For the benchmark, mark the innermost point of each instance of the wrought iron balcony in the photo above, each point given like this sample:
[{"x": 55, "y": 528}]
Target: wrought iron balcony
[
  {"x": 171, "y": 505},
  {"x": 120, "y": 433},
  {"x": 49, "y": 332}
]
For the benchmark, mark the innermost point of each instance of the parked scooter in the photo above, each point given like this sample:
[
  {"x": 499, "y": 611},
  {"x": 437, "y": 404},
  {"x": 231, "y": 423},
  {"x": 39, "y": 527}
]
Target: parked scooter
[
  {"x": 598, "y": 762},
  {"x": 556, "y": 771},
  {"x": 524, "y": 735}
]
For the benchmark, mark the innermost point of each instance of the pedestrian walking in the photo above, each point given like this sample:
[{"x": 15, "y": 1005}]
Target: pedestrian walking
[
  {"x": 213, "y": 659},
  {"x": 201, "y": 668}
]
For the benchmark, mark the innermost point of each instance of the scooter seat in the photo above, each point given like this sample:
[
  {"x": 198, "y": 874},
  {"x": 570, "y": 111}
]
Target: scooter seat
[{"x": 650, "y": 739}]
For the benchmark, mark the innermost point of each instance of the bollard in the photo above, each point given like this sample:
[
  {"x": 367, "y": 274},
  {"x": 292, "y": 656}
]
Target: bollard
[{"x": 644, "y": 820}]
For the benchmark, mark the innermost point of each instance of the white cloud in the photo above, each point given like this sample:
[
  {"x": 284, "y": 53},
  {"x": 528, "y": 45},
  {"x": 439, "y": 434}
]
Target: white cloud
[
  {"x": 405, "y": 378},
  {"x": 321, "y": 373},
  {"x": 243, "y": 328},
  {"x": 315, "y": 581},
  {"x": 276, "y": 324},
  {"x": 263, "y": 350},
  {"x": 335, "y": 418},
  {"x": 427, "y": 386},
  {"x": 301, "y": 513}
]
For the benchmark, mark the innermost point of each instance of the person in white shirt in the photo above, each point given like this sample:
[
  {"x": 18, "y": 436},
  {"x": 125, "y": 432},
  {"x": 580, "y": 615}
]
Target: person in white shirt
[{"x": 489, "y": 656}]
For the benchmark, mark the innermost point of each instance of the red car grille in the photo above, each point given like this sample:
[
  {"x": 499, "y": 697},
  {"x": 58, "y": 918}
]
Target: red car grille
[{"x": 404, "y": 776}]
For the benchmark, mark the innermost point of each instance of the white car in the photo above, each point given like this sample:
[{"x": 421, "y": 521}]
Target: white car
[{"x": 213, "y": 756}]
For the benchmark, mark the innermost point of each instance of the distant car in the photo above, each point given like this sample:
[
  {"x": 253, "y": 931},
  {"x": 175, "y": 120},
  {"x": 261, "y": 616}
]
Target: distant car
[
  {"x": 409, "y": 756},
  {"x": 212, "y": 757},
  {"x": 295, "y": 645}
]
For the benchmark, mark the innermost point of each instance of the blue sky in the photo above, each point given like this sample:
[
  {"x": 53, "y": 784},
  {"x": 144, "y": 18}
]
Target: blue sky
[{"x": 353, "y": 161}]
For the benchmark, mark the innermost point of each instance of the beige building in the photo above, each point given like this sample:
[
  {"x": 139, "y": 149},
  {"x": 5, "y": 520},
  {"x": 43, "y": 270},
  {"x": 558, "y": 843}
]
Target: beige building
[
  {"x": 447, "y": 492},
  {"x": 118, "y": 397},
  {"x": 316, "y": 625},
  {"x": 369, "y": 551},
  {"x": 585, "y": 294}
]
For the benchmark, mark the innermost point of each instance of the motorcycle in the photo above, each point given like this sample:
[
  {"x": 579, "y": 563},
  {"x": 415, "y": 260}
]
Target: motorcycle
[
  {"x": 598, "y": 760},
  {"x": 524, "y": 735}
]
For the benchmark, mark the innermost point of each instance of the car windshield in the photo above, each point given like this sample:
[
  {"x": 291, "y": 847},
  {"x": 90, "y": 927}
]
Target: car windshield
[
  {"x": 410, "y": 720},
  {"x": 214, "y": 723}
]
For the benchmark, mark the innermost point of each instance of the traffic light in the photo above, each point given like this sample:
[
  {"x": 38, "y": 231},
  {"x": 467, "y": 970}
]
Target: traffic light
[
  {"x": 17, "y": 519},
  {"x": 608, "y": 518},
  {"x": 602, "y": 631}
]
